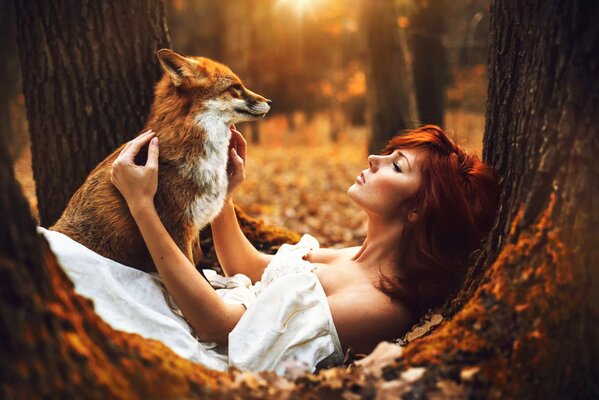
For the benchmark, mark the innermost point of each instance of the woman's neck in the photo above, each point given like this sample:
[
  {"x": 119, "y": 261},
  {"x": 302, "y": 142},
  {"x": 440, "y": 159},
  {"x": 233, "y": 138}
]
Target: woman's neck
[{"x": 381, "y": 248}]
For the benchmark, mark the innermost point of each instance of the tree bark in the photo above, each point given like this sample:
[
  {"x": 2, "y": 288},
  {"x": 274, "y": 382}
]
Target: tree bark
[
  {"x": 391, "y": 93},
  {"x": 88, "y": 85},
  {"x": 10, "y": 81},
  {"x": 524, "y": 325}
]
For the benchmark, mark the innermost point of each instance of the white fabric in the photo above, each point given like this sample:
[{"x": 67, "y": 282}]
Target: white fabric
[
  {"x": 289, "y": 321},
  {"x": 288, "y": 260},
  {"x": 287, "y": 324}
]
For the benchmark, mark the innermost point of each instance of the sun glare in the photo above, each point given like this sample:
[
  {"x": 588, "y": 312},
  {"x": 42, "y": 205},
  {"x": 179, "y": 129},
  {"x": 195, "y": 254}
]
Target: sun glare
[{"x": 300, "y": 7}]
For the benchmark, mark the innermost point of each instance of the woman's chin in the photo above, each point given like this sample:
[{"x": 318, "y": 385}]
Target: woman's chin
[
  {"x": 352, "y": 193},
  {"x": 351, "y": 189}
]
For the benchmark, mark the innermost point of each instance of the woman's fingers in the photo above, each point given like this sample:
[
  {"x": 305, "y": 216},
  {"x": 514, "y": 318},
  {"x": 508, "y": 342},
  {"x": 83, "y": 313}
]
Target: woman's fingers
[
  {"x": 235, "y": 167},
  {"x": 128, "y": 144},
  {"x": 236, "y": 157},
  {"x": 238, "y": 143},
  {"x": 242, "y": 147},
  {"x": 136, "y": 144},
  {"x": 236, "y": 171},
  {"x": 136, "y": 183},
  {"x": 153, "y": 154}
]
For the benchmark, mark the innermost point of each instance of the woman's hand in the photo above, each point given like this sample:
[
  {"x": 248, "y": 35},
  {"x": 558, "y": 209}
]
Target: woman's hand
[
  {"x": 236, "y": 164},
  {"x": 137, "y": 184}
]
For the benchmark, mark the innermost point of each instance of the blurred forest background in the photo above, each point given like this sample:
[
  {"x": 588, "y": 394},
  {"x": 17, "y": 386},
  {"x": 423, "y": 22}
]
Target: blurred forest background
[{"x": 319, "y": 61}]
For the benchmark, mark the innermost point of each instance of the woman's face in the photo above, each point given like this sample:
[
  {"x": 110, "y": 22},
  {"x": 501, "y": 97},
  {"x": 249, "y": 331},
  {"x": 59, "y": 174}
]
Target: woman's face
[{"x": 391, "y": 180}]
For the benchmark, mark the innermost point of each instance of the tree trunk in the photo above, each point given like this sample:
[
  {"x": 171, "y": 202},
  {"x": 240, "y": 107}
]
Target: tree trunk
[
  {"x": 430, "y": 62},
  {"x": 10, "y": 81},
  {"x": 88, "y": 85},
  {"x": 391, "y": 93},
  {"x": 524, "y": 326}
]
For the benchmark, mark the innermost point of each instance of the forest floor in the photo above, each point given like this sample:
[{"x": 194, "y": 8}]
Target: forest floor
[{"x": 298, "y": 178}]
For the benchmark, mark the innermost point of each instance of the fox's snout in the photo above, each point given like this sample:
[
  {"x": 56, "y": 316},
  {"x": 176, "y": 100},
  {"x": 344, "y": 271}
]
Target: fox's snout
[
  {"x": 255, "y": 105},
  {"x": 255, "y": 98}
]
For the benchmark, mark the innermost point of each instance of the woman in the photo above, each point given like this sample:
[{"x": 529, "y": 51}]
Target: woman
[{"x": 429, "y": 204}]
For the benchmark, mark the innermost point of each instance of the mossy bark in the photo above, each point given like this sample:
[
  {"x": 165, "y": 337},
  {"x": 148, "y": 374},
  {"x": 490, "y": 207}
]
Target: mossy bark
[{"x": 524, "y": 326}]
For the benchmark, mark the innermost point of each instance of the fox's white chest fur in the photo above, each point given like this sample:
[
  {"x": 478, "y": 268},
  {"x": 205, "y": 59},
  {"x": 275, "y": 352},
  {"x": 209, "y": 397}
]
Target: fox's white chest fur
[{"x": 210, "y": 170}]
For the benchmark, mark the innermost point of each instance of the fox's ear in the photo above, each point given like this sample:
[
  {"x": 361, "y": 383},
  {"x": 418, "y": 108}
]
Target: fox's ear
[{"x": 178, "y": 67}]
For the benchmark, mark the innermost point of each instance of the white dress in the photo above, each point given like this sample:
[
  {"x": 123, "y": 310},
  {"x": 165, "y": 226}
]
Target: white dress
[{"x": 287, "y": 324}]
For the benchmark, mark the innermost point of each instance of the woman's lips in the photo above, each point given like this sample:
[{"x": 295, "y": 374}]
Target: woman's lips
[{"x": 360, "y": 179}]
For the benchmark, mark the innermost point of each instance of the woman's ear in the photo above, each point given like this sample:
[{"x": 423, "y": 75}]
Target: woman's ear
[{"x": 413, "y": 215}]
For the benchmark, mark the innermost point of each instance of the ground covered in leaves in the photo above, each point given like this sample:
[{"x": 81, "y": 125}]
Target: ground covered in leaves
[{"x": 305, "y": 190}]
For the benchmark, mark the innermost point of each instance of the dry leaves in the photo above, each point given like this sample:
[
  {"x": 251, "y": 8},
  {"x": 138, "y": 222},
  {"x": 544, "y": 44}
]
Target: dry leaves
[
  {"x": 384, "y": 354},
  {"x": 426, "y": 324},
  {"x": 304, "y": 189}
]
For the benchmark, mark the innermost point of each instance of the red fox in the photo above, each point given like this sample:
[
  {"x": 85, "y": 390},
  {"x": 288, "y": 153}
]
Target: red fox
[{"x": 195, "y": 102}]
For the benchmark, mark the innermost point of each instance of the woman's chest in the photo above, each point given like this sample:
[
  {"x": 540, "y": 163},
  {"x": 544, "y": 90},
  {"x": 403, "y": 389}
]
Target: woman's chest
[{"x": 337, "y": 278}]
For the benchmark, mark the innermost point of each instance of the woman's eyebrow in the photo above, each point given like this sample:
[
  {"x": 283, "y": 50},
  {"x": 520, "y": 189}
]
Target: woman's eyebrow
[{"x": 404, "y": 156}]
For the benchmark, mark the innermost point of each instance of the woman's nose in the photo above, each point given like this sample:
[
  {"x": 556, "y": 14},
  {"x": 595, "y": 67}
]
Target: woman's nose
[{"x": 373, "y": 162}]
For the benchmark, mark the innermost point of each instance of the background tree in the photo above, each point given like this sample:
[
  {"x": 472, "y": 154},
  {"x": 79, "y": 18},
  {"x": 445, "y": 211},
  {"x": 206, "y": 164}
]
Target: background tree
[
  {"x": 391, "y": 95},
  {"x": 88, "y": 85},
  {"x": 10, "y": 80},
  {"x": 195, "y": 34},
  {"x": 427, "y": 27},
  {"x": 524, "y": 326}
]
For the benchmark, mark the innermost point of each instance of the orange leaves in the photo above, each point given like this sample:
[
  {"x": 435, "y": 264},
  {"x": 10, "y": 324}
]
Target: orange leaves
[{"x": 305, "y": 189}]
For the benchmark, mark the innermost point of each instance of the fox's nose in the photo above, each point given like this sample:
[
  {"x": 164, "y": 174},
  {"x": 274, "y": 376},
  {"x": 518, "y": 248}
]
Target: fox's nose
[{"x": 268, "y": 101}]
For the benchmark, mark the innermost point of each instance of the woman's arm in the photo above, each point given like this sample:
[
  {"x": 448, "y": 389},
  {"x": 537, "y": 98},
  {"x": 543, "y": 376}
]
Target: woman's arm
[
  {"x": 235, "y": 252},
  {"x": 210, "y": 317}
]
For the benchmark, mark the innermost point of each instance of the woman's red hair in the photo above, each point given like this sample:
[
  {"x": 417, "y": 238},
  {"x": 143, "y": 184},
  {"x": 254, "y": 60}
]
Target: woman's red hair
[{"x": 457, "y": 203}]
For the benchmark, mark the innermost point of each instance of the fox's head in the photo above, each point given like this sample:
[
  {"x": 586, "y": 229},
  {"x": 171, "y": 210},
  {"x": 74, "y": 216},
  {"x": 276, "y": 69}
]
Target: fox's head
[{"x": 207, "y": 87}]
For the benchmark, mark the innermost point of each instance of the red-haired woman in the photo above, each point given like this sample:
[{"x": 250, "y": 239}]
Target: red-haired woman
[{"x": 429, "y": 205}]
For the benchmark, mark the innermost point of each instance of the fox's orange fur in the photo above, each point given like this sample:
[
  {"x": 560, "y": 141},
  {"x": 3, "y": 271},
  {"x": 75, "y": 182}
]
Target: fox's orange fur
[{"x": 195, "y": 102}]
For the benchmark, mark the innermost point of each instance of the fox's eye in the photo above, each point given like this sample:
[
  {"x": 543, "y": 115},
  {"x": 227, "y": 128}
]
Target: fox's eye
[
  {"x": 237, "y": 87},
  {"x": 397, "y": 167}
]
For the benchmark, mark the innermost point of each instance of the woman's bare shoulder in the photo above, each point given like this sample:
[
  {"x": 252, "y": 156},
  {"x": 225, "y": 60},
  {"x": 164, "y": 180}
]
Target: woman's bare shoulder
[{"x": 364, "y": 317}]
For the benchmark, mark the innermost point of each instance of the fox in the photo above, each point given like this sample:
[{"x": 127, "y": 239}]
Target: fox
[{"x": 195, "y": 102}]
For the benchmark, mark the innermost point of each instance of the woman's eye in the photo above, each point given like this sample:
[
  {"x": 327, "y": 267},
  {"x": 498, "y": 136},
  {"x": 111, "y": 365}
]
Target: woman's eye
[{"x": 397, "y": 167}]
